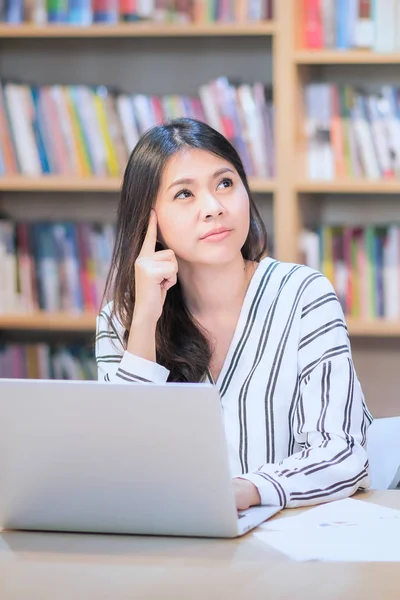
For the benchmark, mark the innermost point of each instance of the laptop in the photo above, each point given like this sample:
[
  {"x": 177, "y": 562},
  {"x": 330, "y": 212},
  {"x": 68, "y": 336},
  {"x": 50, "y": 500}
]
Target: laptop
[{"x": 85, "y": 456}]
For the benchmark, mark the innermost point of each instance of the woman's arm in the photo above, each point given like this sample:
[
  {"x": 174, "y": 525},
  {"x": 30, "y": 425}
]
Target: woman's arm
[
  {"x": 117, "y": 365},
  {"x": 330, "y": 418}
]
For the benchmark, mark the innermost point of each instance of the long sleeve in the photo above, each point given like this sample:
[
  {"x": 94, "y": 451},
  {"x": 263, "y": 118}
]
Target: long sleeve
[
  {"x": 330, "y": 416},
  {"x": 114, "y": 363}
]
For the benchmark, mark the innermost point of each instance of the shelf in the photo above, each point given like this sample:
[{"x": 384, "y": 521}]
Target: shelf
[
  {"x": 373, "y": 327},
  {"x": 148, "y": 29},
  {"x": 344, "y": 57},
  {"x": 42, "y": 321},
  {"x": 351, "y": 186},
  {"x": 261, "y": 186},
  {"x": 57, "y": 183},
  {"x": 86, "y": 322}
]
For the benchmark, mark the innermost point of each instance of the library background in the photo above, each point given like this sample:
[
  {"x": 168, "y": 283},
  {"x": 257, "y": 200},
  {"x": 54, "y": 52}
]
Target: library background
[{"x": 305, "y": 90}]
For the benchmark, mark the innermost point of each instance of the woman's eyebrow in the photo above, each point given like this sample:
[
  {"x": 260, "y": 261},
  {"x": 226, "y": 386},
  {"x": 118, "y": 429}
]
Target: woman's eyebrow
[
  {"x": 223, "y": 170},
  {"x": 184, "y": 181},
  {"x": 188, "y": 180}
]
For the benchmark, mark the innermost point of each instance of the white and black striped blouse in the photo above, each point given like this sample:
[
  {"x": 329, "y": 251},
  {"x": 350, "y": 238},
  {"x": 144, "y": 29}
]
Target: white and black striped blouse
[{"x": 293, "y": 408}]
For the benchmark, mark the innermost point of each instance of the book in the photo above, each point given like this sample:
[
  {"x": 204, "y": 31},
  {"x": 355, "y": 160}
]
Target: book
[
  {"x": 351, "y": 24},
  {"x": 113, "y": 12},
  {"x": 362, "y": 263},
  {"x": 351, "y": 132},
  {"x": 47, "y": 361},
  {"x": 53, "y": 266},
  {"x": 79, "y": 130}
]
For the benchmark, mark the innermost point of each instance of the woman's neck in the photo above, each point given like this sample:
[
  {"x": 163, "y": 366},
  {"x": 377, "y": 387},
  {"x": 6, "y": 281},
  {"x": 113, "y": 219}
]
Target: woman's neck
[{"x": 214, "y": 290}]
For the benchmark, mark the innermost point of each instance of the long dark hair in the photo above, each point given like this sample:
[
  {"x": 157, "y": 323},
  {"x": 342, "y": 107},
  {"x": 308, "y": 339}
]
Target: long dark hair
[{"x": 181, "y": 345}]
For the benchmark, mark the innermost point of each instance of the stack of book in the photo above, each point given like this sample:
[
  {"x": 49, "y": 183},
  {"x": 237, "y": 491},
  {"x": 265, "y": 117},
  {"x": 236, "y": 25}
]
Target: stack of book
[
  {"x": 350, "y": 24},
  {"x": 350, "y": 133},
  {"x": 54, "y": 267},
  {"x": 362, "y": 263},
  {"x": 86, "y": 12},
  {"x": 77, "y": 130},
  {"x": 41, "y": 361}
]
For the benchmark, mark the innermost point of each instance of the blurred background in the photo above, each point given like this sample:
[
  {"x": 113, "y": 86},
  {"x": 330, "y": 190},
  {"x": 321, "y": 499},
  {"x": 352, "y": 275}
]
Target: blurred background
[{"x": 307, "y": 92}]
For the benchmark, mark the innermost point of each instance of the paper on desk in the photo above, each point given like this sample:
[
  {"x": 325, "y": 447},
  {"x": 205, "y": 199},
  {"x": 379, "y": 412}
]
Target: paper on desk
[{"x": 345, "y": 530}]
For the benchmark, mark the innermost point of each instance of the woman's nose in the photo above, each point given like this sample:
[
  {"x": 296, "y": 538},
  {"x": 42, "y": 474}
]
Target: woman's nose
[{"x": 211, "y": 207}]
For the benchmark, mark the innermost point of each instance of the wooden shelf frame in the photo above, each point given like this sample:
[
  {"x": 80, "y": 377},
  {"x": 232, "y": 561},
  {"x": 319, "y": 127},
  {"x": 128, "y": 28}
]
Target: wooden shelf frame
[
  {"x": 345, "y": 57},
  {"x": 348, "y": 186},
  {"x": 135, "y": 30},
  {"x": 289, "y": 67},
  {"x": 46, "y": 321},
  {"x": 86, "y": 323}
]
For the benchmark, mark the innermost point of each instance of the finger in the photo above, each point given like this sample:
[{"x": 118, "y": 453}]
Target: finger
[
  {"x": 149, "y": 265},
  {"x": 163, "y": 271},
  {"x": 149, "y": 244},
  {"x": 170, "y": 282},
  {"x": 163, "y": 255}
]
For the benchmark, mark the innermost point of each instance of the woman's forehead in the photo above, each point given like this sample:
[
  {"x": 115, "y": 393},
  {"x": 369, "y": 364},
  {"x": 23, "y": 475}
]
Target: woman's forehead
[{"x": 192, "y": 162}]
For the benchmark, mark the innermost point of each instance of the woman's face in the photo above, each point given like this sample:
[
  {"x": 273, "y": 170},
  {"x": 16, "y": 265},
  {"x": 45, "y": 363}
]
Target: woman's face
[{"x": 201, "y": 193}]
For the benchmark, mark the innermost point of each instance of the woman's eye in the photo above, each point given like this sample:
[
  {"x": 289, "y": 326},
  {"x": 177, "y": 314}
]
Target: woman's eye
[
  {"x": 183, "y": 194},
  {"x": 226, "y": 182}
]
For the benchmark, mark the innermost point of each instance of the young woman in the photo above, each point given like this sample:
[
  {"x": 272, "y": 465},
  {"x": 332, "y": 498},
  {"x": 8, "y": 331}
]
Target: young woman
[{"x": 195, "y": 297}]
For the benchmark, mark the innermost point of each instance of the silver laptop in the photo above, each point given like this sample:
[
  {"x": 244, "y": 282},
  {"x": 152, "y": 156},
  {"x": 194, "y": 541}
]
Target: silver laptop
[{"x": 117, "y": 458}]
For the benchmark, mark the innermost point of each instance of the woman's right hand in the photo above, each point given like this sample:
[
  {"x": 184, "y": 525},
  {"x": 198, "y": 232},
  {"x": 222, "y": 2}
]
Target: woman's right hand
[{"x": 155, "y": 274}]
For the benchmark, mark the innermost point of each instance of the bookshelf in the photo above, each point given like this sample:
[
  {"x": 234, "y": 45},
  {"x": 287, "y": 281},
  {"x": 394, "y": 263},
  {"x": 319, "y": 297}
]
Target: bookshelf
[
  {"x": 57, "y": 321},
  {"x": 345, "y": 57},
  {"x": 265, "y": 47},
  {"x": 85, "y": 322},
  {"x": 128, "y": 30},
  {"x": 348, "y": 186}
]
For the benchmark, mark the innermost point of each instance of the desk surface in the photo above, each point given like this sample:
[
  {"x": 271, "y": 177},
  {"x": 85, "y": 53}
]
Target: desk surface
[{"x": 48, "y": 566}]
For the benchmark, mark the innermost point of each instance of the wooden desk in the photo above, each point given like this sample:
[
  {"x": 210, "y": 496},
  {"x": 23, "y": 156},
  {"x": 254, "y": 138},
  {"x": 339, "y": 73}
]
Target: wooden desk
[{"x": 46, "y": 566}]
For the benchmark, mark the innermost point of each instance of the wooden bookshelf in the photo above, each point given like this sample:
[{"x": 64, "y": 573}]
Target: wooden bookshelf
[
  {"x": 60, "y": 183},
  {"x": 349, "y": 186},
  {"x": 291, "y": 69},
  {"x": 132, "y": 30},
  {"x": 344, "y": 57},
  {"x": 46, "y": 321},
  {"x": 383, "y": 328},
  {"x": 86, "y": 322}
]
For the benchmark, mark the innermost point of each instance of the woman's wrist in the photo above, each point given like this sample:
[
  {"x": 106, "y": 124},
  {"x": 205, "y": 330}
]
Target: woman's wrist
[{"x": 142, "y": 337}]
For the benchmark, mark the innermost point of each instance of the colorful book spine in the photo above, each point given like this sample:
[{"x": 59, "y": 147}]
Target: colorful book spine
[
  {"x": 363, "y": 265},
  {"x": 53, "y": 266},
  {"x": 57, "y": 11},
  {"x": 80, "y": 12},
  {"x": 44, "y": 361},
  {"x": 14, "y": 12},
  {"x": 105, "y": 11},
  {"x": 83, "y": 131}
]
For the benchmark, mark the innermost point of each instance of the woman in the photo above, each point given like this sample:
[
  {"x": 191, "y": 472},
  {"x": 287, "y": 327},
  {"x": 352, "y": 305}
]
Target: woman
[{"x": 196, "y": 298}]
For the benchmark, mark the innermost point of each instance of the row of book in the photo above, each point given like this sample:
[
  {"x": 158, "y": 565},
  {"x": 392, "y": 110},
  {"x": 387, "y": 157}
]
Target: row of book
[
  {"x": 59, "y": 266},
  {"x": 88, "y": 12},
  {"x": 81, "y": 131},
  {"x": 351, "y": 133},
  {"x": 44, "y": 361},
  {"x": 363, "y": 265},
  {"x": 350, "y": 24}
]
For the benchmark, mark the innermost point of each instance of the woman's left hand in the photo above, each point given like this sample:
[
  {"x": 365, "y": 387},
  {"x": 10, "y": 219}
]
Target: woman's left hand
[{"x": 246, "y": 493}]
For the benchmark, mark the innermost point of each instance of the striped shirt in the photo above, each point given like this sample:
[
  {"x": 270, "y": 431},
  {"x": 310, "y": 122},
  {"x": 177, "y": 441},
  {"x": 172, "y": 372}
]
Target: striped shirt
[{"x": 293, "y": 409}]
